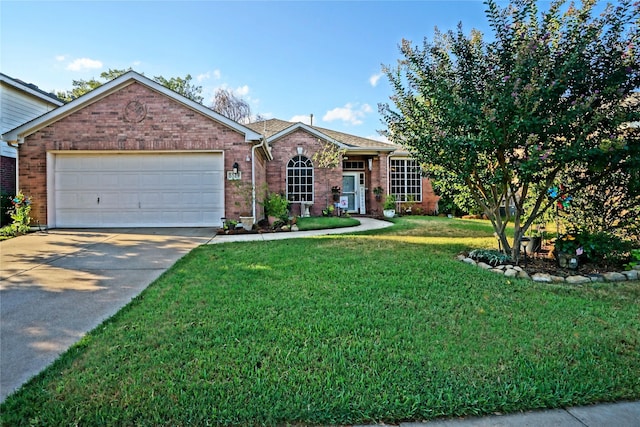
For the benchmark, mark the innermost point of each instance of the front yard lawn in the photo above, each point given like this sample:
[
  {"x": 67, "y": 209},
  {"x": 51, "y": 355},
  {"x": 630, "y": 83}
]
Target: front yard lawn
[{"x": 382, "y": 326}]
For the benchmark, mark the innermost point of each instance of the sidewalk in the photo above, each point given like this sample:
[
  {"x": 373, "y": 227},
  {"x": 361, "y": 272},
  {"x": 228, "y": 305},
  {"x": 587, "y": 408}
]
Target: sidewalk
[{"x": 620, "y": 414}]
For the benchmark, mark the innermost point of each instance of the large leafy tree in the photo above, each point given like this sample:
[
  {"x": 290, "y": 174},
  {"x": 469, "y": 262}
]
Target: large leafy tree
[
  {"x": 183, "y": 86},
  {"x": 546, "y": 95}
]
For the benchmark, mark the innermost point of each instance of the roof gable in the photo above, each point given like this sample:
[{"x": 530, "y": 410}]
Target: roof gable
[
  {"x": 18, "y": 134},
  {"x": 273, "y": 129}
]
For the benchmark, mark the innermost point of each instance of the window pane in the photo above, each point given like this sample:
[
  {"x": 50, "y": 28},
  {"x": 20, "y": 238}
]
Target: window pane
[
  {"x": 300, "y": 179},
  {"x": 406, "y": 180}
]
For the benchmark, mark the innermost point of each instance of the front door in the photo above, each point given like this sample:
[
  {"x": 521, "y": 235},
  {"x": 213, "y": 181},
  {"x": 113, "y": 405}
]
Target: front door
[{"x": 350, "y": 184}]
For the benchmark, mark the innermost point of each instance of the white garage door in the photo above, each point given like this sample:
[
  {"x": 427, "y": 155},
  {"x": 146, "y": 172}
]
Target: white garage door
[{"x": 138, "y": 190}]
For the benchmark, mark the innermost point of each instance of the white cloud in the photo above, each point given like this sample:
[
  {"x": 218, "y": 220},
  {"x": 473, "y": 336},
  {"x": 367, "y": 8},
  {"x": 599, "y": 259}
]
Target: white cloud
[
  {"x": 60, "y": 58},
  {"x": 373, "y": 80},
  {"x": 350, "y": 113},
  {"x": 206, "y": 76},
  {"x": 302, "y": 118},
  {"x": 241, "y": 91},
  {"x": 83, "y": 64},
  {"x": 378, "y": 137}
]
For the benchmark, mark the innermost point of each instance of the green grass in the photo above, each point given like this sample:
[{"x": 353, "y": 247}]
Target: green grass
[
  {"x": 319, "y": 223},
  {"x": 381, "y": 326}
]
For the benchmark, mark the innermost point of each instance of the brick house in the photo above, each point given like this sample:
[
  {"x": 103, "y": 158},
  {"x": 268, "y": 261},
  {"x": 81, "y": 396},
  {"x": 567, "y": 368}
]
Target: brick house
[{"x": 133, "y": 153}]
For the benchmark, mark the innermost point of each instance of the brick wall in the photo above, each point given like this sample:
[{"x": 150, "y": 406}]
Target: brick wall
[
  {"x": 8, "y": 175},
  {"x": 114, "y": 123},
  {"x": 284, "y": 149}
]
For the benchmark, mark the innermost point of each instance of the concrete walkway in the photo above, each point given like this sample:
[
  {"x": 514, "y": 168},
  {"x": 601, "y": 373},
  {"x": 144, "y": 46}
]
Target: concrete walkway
[
  {"x": 57, "y": 286},
  {"x": 366, "y": 224}
]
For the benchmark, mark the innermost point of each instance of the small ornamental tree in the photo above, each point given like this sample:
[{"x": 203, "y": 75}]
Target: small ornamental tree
[{"x": 548, "y": 95}]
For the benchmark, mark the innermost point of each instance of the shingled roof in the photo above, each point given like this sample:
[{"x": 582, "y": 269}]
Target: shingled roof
[{"x": 272, "y": 127}]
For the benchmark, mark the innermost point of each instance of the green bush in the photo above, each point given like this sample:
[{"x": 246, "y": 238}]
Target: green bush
[
  {"x": 19, "y": 213},
  {"x": 596, "y": 247},
  {"x": 276, "y": 205}
]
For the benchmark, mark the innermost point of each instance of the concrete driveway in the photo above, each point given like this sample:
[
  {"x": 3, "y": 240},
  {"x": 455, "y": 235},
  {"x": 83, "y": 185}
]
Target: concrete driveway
[{"x": 57, "y": 286}]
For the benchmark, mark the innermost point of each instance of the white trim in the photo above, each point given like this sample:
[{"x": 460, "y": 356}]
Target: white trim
[
  {"x": 18, "y": 134},
  {"x": 51, "y": 187}
]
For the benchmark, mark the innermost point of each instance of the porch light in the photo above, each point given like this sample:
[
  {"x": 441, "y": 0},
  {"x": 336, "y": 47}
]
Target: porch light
[
  {"x": 300, "y": 150},
  {"x": 235, "y": 167}
]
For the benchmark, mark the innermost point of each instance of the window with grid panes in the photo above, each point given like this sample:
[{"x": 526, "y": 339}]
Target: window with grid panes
[
  {"x": 406, "y": 180},
  {"x": 300, "y": 179}
]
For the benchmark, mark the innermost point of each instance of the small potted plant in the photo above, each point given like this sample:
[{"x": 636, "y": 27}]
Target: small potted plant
[
  {"x": 378, "y": 193},
  {"x": 276, "y": 207},
  {"x": 245, "y": 191},
  {"x": 389, "y": 206}
]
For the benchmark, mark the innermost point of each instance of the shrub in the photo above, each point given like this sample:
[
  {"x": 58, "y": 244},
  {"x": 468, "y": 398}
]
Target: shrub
[
  {"x": 594, "y": 246},
  {"x": 635, "y": 259},
  {"x": 276, "y": 205},
  {"x": 19, "y": 213}
]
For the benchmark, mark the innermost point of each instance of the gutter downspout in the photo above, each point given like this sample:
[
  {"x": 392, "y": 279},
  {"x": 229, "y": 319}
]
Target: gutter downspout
[{"x": 253, "y": 176}]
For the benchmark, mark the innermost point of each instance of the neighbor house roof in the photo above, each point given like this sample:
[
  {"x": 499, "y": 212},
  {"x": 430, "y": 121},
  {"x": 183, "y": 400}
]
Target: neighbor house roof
[
  {"x": 18, "y": 134},
  {"x": 274, "y": 129},
  {"x": 31, "y": 89}
]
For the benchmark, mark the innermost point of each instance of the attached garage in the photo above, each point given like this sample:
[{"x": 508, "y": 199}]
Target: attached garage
[
  {"x": 135, "y": 189},
  {"x": 133, "y": 153}
]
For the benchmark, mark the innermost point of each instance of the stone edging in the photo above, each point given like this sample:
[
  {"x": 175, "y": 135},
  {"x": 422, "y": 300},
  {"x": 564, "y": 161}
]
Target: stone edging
[{"x": 510, "y": 270}]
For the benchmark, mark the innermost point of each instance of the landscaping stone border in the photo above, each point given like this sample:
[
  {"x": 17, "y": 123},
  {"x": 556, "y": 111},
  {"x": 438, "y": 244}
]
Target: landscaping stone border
[{"x": 516, "y": 271}]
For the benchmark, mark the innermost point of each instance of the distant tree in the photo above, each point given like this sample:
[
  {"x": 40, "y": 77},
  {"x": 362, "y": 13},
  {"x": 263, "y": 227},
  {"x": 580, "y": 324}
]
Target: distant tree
[
  {"x": 233, "y": 107},
  {"x": 545, "y": 97},
  {"x": 183, "y": 86},
  {"x": 80, "y": 87}
]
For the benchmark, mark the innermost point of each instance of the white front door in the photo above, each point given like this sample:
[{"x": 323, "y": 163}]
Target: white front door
[{"x": 350, "y": 186}]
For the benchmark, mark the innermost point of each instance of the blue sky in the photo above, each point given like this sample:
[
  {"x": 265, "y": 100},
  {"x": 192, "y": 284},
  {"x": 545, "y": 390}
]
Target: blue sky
[{"x": 288, "y": 59}]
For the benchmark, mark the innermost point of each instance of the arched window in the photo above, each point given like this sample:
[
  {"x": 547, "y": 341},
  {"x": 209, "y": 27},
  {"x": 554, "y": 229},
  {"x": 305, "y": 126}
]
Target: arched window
[{"x": 300, "y": 179}]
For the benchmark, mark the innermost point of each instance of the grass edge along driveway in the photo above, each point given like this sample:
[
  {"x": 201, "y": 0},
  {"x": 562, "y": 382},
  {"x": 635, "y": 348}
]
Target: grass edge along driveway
[{"x": 376, "y": 327}]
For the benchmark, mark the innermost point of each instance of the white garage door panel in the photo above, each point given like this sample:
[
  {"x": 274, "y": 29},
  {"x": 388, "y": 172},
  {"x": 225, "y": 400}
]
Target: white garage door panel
[{"x": 138, "y": 190}]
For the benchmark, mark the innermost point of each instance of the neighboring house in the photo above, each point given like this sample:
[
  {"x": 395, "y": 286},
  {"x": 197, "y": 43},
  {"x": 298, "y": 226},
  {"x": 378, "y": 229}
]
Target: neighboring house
[
  {"x": 19, "y": 103},
  {"x": 134, "y": 153}
]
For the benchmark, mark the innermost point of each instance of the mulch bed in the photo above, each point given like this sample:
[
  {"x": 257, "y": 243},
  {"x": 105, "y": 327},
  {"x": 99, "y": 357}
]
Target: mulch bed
[{"x": 544, "y": 262}]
